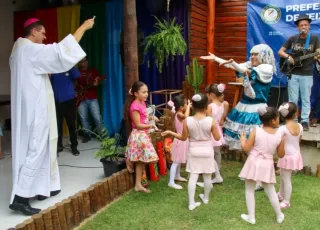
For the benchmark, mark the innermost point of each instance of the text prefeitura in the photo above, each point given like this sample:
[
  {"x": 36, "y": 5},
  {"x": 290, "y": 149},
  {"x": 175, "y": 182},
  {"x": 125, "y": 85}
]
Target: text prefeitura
[{"x": 292, "y": 11}]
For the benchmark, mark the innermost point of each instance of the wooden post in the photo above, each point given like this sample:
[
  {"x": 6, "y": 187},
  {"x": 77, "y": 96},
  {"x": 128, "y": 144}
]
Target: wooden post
[
  {"x": 86, "y": 203},
  {"x": 318, "y": 171},
  {"x": 38, "y": 222},
  {"x": 130, "y": 42},
  {"x": 47, "y": 219},
  {"x": 62, "y": 216},
  {"x": 21, "y": 227},
  {"x": 107, "y": 190},
  {"x": 29, "y": 224},
  {"x": 69, "y": 213},
  {"x": 55, "y": 218},
  {"x": 75, "y": 209},
  {"x": 81, "y": 207},
  {"x": 210, "y": 38}
]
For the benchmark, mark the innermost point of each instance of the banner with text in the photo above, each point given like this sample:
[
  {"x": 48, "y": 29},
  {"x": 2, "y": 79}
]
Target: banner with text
[{"x": 272, "y": 22}]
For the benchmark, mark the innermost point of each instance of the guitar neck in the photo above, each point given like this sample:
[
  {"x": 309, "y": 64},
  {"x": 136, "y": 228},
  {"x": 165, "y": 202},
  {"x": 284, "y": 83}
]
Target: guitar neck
[{"x": 307, "y": 56}]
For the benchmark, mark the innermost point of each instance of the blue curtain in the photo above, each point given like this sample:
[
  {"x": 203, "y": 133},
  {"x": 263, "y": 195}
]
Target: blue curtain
[
  {"x": 113, "y": 86},
  {"x": 174, "y": 73}
]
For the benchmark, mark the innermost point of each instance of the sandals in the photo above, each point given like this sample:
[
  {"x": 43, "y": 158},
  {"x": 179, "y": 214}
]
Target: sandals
[
  {"x": 284, "y": 205},
  {"x": 144, "y": 190},
  {"x": 280, "y": 198}
]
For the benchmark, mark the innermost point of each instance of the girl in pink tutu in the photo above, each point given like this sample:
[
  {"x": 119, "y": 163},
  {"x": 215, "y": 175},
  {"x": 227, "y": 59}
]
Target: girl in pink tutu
[
  {"x": 217, "y": 110},
  {"x": 139, "y": 150},
  {"x": 292, "y": 159},
  {"x": 181, "y": 108},
  {"x": 262, "y": 144},
  {"x": 200, "y": 129}
]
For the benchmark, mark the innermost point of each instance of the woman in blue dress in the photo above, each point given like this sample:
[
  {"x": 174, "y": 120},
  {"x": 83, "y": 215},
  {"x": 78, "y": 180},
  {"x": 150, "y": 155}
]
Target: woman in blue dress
[{"x": 258, "y": 73}]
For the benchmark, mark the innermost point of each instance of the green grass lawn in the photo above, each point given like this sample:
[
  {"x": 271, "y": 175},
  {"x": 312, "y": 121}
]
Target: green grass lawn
[{"x": 166, "y": 208}]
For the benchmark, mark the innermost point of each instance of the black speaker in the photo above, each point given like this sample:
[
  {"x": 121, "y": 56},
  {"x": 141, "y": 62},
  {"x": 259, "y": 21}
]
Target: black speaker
[{"x": 277, "y": 96}]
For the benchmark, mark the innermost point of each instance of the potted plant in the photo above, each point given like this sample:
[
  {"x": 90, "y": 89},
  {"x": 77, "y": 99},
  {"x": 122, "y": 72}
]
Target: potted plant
[
  {"x": 110, "y": 153},
  {"x": 197, "y": 78},
  {"x": 166, "y": 41}
]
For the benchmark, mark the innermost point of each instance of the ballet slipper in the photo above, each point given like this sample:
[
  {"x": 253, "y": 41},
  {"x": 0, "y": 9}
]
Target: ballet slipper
[
  {"x": 246, "y": 218},
  {"x": 217, "y": 180},
  {"x": 175, "y": 186},
  {"x": 205, "y": 201},
  {"x": 193, "y": 206},
  {"x": 201, "y": 184},
  {"x": 280, "y": 218},
  {"x": 181, "y": 179}
]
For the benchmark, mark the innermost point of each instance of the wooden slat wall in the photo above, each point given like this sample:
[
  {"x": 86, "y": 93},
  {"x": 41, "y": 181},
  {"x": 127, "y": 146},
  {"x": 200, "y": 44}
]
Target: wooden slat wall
[
  {"x": 198, "y": 31},
  {"x": 230, "y": 39}
]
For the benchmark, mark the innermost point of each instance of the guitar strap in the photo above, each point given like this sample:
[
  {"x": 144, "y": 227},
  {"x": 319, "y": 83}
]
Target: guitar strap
[{"x": 306, "y": 45}]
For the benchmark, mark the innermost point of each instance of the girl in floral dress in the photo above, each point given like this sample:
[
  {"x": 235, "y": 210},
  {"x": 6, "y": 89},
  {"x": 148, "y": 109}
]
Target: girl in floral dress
[{"x": 140, "y": 150}]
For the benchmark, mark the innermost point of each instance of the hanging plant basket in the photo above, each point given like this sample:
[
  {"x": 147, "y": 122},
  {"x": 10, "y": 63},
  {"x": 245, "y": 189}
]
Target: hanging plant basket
[{"x": 166, "y": 41}]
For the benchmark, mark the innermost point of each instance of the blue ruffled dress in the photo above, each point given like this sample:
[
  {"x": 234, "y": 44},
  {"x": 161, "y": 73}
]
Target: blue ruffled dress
[{"x": 244, "y": 117}]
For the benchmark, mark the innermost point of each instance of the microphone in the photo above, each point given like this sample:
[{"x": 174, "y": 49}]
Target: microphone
[{"x": 302, "y": 32}]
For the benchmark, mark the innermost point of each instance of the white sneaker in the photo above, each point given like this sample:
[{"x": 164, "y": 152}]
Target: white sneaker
[
  {"x": 193, "y": 206},
  {"x": 280, "y": 219},
  {"x": 217, "y": 180},
  {"x": 246, "y": 218},
  {"x": 175, "y": 186},
  {"x": 205, "y": 201}
]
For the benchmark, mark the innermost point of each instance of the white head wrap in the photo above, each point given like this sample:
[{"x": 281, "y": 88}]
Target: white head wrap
[{"x": 265, "y": 55}]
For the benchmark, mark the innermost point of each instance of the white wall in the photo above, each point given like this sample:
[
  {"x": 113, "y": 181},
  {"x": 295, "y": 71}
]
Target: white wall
[{"x": 7, "y": 9}]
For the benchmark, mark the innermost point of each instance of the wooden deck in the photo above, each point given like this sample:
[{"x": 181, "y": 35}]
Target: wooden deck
[{"x": 312, "y": 135}]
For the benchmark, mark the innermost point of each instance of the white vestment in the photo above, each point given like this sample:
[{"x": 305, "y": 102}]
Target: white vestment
[{"x": 33, "y": 114}]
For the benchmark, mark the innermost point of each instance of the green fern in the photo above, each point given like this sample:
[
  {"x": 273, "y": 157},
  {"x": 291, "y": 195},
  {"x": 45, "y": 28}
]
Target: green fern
[{"x": 166, "y": 41}]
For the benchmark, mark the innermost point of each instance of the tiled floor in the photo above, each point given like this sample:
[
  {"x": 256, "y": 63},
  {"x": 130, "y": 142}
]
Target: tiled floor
[{"x": 72, "y": 180}]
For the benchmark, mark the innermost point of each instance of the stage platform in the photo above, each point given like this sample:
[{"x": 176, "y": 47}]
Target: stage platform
[
  {"x": 310, "y": 148},
  {"x": 73, "y": 179}
]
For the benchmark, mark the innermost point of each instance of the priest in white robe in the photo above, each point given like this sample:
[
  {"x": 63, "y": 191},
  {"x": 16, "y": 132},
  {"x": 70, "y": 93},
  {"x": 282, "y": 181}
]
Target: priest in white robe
[{"x": 33, "y": 115}]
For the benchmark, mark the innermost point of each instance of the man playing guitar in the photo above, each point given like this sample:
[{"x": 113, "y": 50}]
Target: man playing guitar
[
  {"x": 302, "y": 76},
  {"x": 87, "y": 87}
]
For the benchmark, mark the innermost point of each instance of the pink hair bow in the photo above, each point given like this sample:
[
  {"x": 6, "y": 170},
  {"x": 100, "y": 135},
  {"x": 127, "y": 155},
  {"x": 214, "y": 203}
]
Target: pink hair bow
[
  {"x": 221, "y": 87},
  {"x": 171, "y": 104},
  {"x": 284, "y": 109}
]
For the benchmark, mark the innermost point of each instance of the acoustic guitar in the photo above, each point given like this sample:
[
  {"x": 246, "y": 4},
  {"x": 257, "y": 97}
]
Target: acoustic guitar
[
  {"x": 286, "y": 67},
  {"x": 81, "y": 90}
]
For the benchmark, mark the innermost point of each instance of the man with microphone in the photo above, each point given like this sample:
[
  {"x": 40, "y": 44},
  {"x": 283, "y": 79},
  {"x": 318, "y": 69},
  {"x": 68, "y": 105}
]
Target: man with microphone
[{"x": 302, "y": 77}]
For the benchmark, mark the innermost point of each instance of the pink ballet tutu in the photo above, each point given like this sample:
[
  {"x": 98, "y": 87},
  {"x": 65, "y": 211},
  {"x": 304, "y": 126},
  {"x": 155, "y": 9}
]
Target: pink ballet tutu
[
  {"x": 179, "y": 151},
  {"x": 291, "y": 162},
  {"x": 200, "y": 157},
  {"x": 221, "y": 141},
  {"x": 259, "y": 167}
]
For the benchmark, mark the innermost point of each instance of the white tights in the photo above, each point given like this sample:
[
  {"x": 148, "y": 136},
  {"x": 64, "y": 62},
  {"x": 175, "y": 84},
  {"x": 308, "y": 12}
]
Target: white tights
[
  {"x": 217, "y": 155},
  {"x": 270, "y": 192},
  {"x": 285, "y": 184},
  {"x": 192, "y": 186},
  {"x": 174, "y": 172}
]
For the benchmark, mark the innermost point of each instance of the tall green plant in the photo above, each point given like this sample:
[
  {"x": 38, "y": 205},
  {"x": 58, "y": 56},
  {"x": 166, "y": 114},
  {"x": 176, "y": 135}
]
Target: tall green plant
[
  {"x": 165, "y": 41},
  {"x": 197, "y": 78}
]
